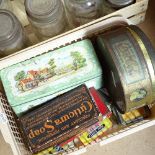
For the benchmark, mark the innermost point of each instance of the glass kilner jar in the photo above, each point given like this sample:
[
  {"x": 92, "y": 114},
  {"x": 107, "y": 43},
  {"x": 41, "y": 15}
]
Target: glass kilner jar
[
  {"x": 12, "y": 36},
  {"x": 120, "y": 3},
  {"x": 47, "y": 17},
  {"x": 110, "y": 6},
  {"x": 83, "y": 11},
  {"x": 5, "y": 4}
]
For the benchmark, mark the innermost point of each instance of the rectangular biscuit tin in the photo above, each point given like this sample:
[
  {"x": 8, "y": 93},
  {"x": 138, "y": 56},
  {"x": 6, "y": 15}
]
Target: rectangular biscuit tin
[{"x": 50, "y": 73}]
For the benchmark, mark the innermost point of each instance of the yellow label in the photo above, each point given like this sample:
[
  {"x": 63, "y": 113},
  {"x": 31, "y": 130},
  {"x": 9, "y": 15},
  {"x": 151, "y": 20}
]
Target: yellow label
[
  {"x": 125, "y": 117},
  {"x": 136, "y": 113},
  {"x": 130, "y": 115}
]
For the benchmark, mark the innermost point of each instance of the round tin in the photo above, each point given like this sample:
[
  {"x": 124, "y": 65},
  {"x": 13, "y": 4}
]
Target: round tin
[
  {"x": 130, "y": 61},
  {"x": 120, "y": 3}
]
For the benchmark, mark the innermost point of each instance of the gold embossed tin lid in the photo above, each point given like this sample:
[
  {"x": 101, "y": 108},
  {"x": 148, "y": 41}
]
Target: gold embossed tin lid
[
  {"x": 131, "y": 80},
  {"x": 147, "y": 43},
  {"x": 149, "y": 54},
  {"x": 120, "y": 3}
]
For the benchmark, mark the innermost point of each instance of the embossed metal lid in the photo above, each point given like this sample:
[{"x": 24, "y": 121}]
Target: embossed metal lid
[
  {"x": 120, "y": 3},
  {"x": 9, "y": 26},
  {"x": 151, "y": 53},
  {"x": 130, "y": 59},
  {"x": 42, "y": 10}
]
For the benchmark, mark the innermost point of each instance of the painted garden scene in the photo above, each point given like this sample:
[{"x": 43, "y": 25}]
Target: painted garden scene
[{"x": 31, "y": 79}]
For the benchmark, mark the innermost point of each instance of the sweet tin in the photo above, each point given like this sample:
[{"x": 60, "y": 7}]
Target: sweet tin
[
  {"x": 130, "y": 59},
  {"x": 50, "y": 74}
]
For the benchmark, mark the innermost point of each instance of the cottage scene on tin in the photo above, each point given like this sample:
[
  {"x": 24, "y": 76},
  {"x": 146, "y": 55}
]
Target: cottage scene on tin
[{"x": 31, "y": 79}]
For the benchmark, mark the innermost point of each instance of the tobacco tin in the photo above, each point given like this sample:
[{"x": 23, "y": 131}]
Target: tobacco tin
[{"x": 59, "y": 119}]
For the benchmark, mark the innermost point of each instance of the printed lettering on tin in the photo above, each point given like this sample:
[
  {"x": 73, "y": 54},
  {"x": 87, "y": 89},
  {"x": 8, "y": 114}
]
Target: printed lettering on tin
[
  {"x": 128, "y": 59},
  {"x": 63, "y": 117}
]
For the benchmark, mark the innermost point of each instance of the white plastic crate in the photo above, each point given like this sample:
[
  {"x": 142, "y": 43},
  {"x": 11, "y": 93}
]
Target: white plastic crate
[
  {"x": 9, "y": 128},
  {"x": 132, "y": 14}
]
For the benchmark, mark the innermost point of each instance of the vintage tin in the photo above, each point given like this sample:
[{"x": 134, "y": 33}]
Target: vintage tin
[
  {"x": 46, "y": 76},
  {"x": 21, "y": 109},
  {"x": 130, "y": 59},
  {"x": 120, "y": 3},
  {"x": 104, "y": 110},
  {"x": 59, "y": 119}
]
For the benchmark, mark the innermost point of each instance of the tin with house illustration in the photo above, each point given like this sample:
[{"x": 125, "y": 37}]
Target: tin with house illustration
[
  {"x": 39, "y": 79},
  {"x": 22, "y": 108}
]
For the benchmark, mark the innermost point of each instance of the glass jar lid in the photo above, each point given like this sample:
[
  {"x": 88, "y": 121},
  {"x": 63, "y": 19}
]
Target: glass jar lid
[
  {"x": 85, "y": 2},
  {"x": 8, "y": 25},
  {"x": 84, "y": 7},
  {"x": 120, "y": 3},
  {"x": 42, "y": 10}
]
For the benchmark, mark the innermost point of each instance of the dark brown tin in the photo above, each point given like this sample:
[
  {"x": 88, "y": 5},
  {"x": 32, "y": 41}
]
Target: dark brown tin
[{"x": 59, "y": 119}]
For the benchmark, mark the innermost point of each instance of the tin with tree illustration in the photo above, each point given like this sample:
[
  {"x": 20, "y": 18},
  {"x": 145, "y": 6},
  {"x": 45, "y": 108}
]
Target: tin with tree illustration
[{"x": 31, "y": 82}]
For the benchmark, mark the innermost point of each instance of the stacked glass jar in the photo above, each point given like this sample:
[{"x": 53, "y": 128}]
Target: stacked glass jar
[
  {"x": 83, "y": 11},
  {"x": 5, "y": 4},
  {"x": 12, "y": 36},
  {"x": 117, "y": 4},
  {"x": 47, "y": 17}
]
